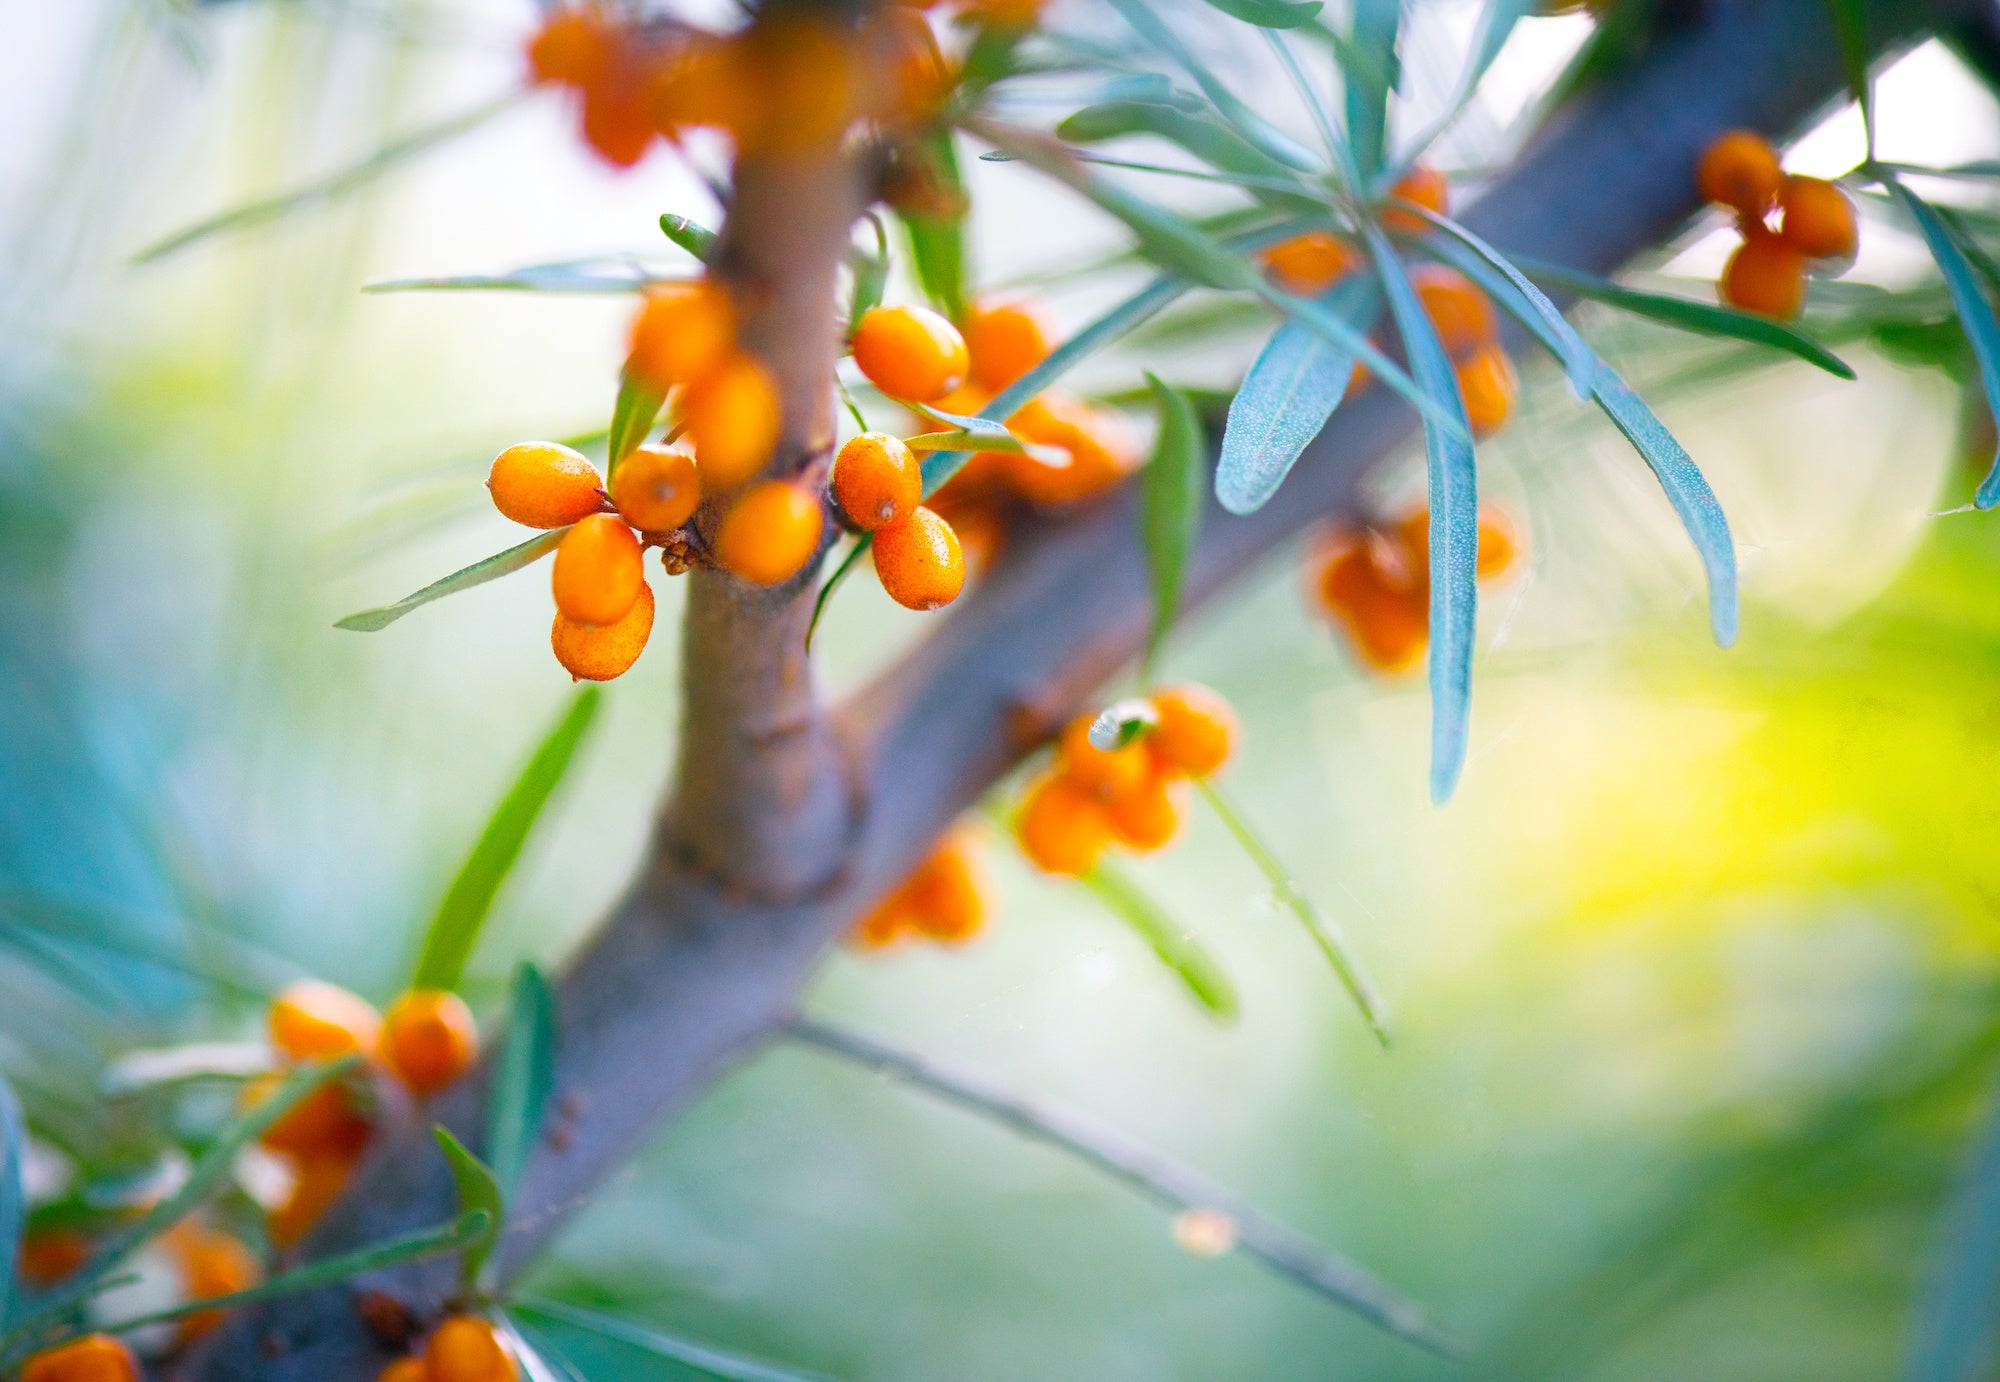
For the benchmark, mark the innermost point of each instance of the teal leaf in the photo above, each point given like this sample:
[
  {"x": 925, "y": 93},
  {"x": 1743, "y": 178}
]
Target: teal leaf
[
  {"x": 1975, "y": 314},
  {"x": 1454, "y": 533},
  {"x": 522, "y": 1079},
  {"x": 478, "y": 1194},
  {"x": 632, "y": 416},
  {"x": 1186, "y": 957},
  {"x": 938, "y": 241},
  {"x": 1850, "y": 33},
  {"x": 835, "y": 581},
  {"x": 13, "y": 1193},
  {"x": 975, "y": 433},
  {"x": 1292, "y": 388},
  {"x": 1270, "y": 14},
  {"x": 703, "y": 1359},
  {"x": 1958, "y": 1319},
  {"x": 697, "y": 240},
  {"x": 1372, "y": 73},
  {"x": 479, "y": 573},
  {"x": 1197, "y": 132},
  {"x": 870, "y": 274},
  {"x": 455, "y": 927},
  {"x": 1171, "y": 504}
]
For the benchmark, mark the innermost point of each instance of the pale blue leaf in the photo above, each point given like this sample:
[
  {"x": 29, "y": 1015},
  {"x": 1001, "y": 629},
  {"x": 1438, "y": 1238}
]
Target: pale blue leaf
[
  {"x": 1580, "y": 362},
  {"x": 1371, "y": 75},
  {"x": 1975, "y": 314},
  {"x": 522, "y": 1079}
]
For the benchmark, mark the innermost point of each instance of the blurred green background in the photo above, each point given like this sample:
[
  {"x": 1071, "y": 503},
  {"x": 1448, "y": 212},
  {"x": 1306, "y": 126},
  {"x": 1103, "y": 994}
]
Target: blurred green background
[{"x": 1694, "y": 981}]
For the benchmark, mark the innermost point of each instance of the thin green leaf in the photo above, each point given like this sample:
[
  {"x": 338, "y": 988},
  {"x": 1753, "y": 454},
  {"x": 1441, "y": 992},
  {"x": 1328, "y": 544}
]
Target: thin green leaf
[
  {"x": 1372, "y": 74},
  {"x": 478, "y": 1194},
  {"x": 632, "y": 417},
  {"x": 1454, "y": 524},
  {"x": 1198, "y": 132},
  {"x": 522, "y": 1079},
  {"x": 1324, "y": 932},
  {"x": 870, "y": 273},
  {"x": 1975, "y": 314},
  {"x": 586, "y": 276},
  {"x": 833, "y": 582},
  {"x": 1497, "y": 19},
  {"x": 540, "y": 1359},
  {"x": 1958, "y": 1318},
  {"x": 13, "y": 1193},
  {"x": 1704, "y": 318},
  {"x": 1850, "y": 33},
  {"x": 987, "y": 433},
  {"x": 697, "y": 240},
  {"x": 462, "y": 911},
  {"x": 1180, "y": 952},
  {"x": 327, "y": 189},
  {"x": 1270, "y": 14},
  {"x": 700, "y": 1357},
  {"x": 938, "y": 242},
  {"x": 479, "y": 573},
  {"x": 988, "y": 436},
  {"x": 1171, "y": 508},
  {"x": 1292, "y": 388}
]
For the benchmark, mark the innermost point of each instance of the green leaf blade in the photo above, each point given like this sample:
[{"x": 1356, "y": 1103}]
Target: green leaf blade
[
  {"x": 454, "y": 928},
  {"x": 1190, "y": 961},
  {"x": 1171, "y": 504},
  {"x": 1580, "y": 362},
  {"x": 1271, "y": 14},
  {"x": 478, "y": 1194},
  {"x": 937, "y": 240},
  {"x": 1372, "y": 76},
  {"x": 13, "y": 1193},
  {"x": 697, "y": 240},
  {"x": 1975, "y": 314},
  {"x": 479, "y": 573},
  {"x": 700, "y": 1357},
  {"x": 632, "y": 416},
  {"x": 523, "y": 1078}
]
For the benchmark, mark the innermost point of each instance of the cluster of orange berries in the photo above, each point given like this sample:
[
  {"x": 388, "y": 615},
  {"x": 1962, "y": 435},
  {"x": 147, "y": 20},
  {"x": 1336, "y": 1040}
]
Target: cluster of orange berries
[
  {"x": 464, "y": 1348},
  {"x": 943, "y": 900},
  {"x": 91, "y": 1358},
  {"x": 426, "y": 1040},
  {"x": 1132, "y": 794},
  {"x": 1814, "y": 224},
  {"x": 1375, "y": 583},
  {"x": 1462, "y": 315}
]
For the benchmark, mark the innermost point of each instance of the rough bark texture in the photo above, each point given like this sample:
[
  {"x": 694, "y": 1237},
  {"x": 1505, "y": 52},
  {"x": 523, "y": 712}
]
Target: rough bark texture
[{"x": 784, "y": 829}]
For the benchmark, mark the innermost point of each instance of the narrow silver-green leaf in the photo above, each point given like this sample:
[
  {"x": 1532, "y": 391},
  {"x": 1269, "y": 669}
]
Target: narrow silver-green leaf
[
  {"x": 1180, "y": 952},
  {"x": 1850, "y": 33},
  {"x": 1197, "y": 132},
  {"x": 870, "y": 275},
  {"x": 1958, "y": 1317},
  {"x": 328, "y": 188},
  {"x": 454, "y": 928},
  {"x": 522, "y": 1079},
  {"x": 835, "y": 581},
  {"x": 584, "y": 276},
  {"x": 1372, "y": 75},
  {"x": 479, "y": 573},
  {"x": 938, "y": 240},
  {"x": 478, "y": 1193},
  {"x": 1454, "y": 524},
  {"x": 1171, "y": 504},
  {"x": 986, "y": 437},
  {"x": 647, "y": 1339},
  {"x": 1975, "y": 314},
  {"x": 1580, "y": 362},
  {"x": 1291, "y": 389},
  {"x": 632, "y": 417},
  {"x": 1270, "y": 14},
  {"x": 697, "y": 240},
  {"x": 13, "y": 1193}
]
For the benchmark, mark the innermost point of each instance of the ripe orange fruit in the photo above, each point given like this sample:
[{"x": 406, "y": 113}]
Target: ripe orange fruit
[
  {"x": 590, "y": 653},
  {"x": 1499, "y": 545},
  {"x": 1739, "y": 170},
  {"x": 466, "y": 1348},
  {"x": 912, "y": 73},
  {"x": 49, "y": 1255},
  {"x": 877, "y": 479},
  {"x": 1149, "y": 818},
  {"x": 311, "y": 1020},
  {"x": 683, "y": 331},
  {"x": 429, "y": 1038},
  {"x": 1062, "y": 829},
  {"x": 1196, "y": 733},
  {"x": 910, "y": 352},
  {"x": 919, "y": 561},
  {"x": 616, "y": 121},
  {"x": 320, "y": 1180},
  {"x": 599, "y": 570},
  {"x": 93, "y": 1358},
  {"x": 1388, "y": 625},
  {"x": 1309, "y": 264},
  {"x": 1424, "y": 186},
  {"x": 1004, "y": 341},
  {"x": 570, "y": 48},
  {"x": 733, "y": 418},
  {"x": 1106, "y": 773},
  {"x": 1489, "y": 386},
  {"x": 1007, "y": 14},
  {"x": 1099, "y": 455},
  {"x": 325, "y": 1121},
  {"x": 1766, "y": 276},
  {"x": 544, "y": 485},
  {"x": 214, "y": 1264},
  {"x": 1815, "y": 218},
  {"x": 769, "y": 533},
  {"x": 656, "y": 488},
  {"x": 1461, "y": 314},
  {"x": 946, "y": 895},
  {"x": 891, "y": 920},
  {"x": 409, "y": 1369}
]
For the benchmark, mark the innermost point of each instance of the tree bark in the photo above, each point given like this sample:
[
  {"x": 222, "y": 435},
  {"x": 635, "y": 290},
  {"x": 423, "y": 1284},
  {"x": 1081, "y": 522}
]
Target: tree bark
[{"x": 786, "y": 825}]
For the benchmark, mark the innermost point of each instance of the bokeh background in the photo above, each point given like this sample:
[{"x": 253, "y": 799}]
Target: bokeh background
[{"x": 1694, "y": 981}]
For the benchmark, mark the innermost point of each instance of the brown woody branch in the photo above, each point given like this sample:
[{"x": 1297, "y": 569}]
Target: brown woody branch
[{"x": 784, "y": 825}]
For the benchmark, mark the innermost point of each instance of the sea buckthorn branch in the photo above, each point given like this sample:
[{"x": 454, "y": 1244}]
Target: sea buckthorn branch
[{"x": 703, "y": 960}]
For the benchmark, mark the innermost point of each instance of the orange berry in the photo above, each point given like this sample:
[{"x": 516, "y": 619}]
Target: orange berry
[
  {"x": 947, "y": 893},
  {"x": 214, "y": 1264},
  {"x": 656, "y": 488},
  {"x": 705, "y": 83},
  {"x": 1149, "y": 818},
  {"x": 616, "y": 121},
  {"x": 311, "y": 1020},
  {"x": 466, "y": 1348},
  {"x": 1099, "y": 456},
  {"x": 1499, "y": 546},
  {"x": 1196, "y": 733},
  {"x": 570, "y": 48},
  {"x": 1107, "y": 773},
  {"x": 49, "y": 1255},
  {"x": 919, "y": 561},
  {"x": 1765, "y": 276},
  {"x": 1739, "y": 170},
  {"x": 1309, "y": 264},
  {"x": 1062, "y": 828},
  {"x": 804, "y": 83},
  {"x": 733, "y": 417},
  {"x": 410, "y": 1369},
  {"x": 544, "y": 485},
  {"x": 913, "y": 75},
  {"x": 590, "y": 653},
  {"x": 1815, "y": 218},
  {"x": 1488, "y": 384},
  {"x": 1007, "y": 14},
  {"x": 891, "y": 920},
  {"x": 429, "y": 1039},
  {"x": 318, "y": 1184},
  {"x": 93, "y": 1358},
  {"x": 683, "y": 331},
  {"x": 770, "y": 533},
  {"x": 1388, "y": 625},
  {"x": 1005, "y": 340},
  {"x": 1460, "y": 313},
  {"x": 910, "y": 352},
  {"x": 325, "y": 1121},
  {"x": 877, "y": 480},
  {"x": 599, "y": 570},
  {"x": 1424, "y": 186}
]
